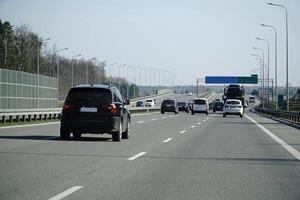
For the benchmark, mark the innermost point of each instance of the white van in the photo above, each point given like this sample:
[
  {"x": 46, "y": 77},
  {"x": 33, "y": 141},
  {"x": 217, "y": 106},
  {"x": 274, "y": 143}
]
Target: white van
[
  {"x": 150, "y": 103},
  {"x": 200, "y": 105}
]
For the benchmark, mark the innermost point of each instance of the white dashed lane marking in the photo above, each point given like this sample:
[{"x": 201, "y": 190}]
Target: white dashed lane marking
[
  {"x": 66, "y": 193},
  {"x": 141, "y": 121},
  {"x": 136, "y": 156},
  {"x": 182, "y": 131},
  {"x": 167, "y": 140},
  {"x": 193, "y": 126}
]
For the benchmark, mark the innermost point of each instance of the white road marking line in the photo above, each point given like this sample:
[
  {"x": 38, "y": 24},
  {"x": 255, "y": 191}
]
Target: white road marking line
[
  {"x": 137, "y": 114},
  {"x": 66, "y": 193},
  {"x": 171, "y": 115},
  {"x": 153, "y": 119},
  {"x": 141, "y": 121},
  {"x": 136, "y": 156},
  {"x": 199, "y": 122},
  {"x": 182, "y": 131},
  {"x": 164, "y": 117},
  {"x": 290, "y": 149},
  {"x": 167, "y": 140},
  {"x": 207, "y": 118},
  {"x": 29, "y": 125},
  {"x": 193, "y": 126},
  {"x": 204, "y": 120}
]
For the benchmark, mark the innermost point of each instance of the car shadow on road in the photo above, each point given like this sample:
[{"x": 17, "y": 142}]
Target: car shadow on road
[{"x": 54, "y": 138}]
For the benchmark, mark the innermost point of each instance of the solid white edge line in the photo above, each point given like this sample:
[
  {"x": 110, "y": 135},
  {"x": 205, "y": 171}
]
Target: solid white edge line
[
  {"x": 136, "y": 156},
  {"x": 29, "y": 125},
  {"x": 66, "y": 193},
  {"x": 182, "y": 131},
  {"x": 290, "y": 149},
  {"x": 167, "y": 140}
]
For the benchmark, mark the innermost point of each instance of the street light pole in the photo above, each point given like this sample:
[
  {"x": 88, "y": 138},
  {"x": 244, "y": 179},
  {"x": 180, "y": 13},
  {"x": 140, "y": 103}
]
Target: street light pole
[
  {"x": 72, "y": 65},
  {"x": 268, "y": 71},
  {"x": 57, "y": 67},
  {"x": 87, "y": 70},
  {"x": 38, "y": 71},
  {"x": 287, "y": 54},
  {"x": 263, "y": 73},
  {"x": 128, "y": 67},
  {"x": 275, "y": 31},
  {"x": 110, "y": 66},
  {"x": 104, "y": 61},
  {"x": 124, "y": 65}
]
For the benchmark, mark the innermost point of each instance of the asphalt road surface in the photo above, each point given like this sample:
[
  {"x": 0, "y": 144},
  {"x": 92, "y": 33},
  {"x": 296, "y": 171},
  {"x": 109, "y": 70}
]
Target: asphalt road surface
[{"x": 168, "y": 156}]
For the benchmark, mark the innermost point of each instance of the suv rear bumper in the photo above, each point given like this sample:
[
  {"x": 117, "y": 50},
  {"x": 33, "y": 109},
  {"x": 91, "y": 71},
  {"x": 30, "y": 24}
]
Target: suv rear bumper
[
  {"x": 200, "y": 111},
  {"x": 97, "y": 126}
]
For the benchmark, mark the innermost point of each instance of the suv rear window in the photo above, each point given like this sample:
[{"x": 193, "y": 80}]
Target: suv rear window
[
  {"x": 168, "y": 102},
  {"x": 218, "y": 103},
  {"x": 89, "y": 96},
  {"x": 233, "y": 102},
  {"x": 149, "y": 101},
  {"x": 181, "y": 103},
  {"x": 200, "y": 101}
]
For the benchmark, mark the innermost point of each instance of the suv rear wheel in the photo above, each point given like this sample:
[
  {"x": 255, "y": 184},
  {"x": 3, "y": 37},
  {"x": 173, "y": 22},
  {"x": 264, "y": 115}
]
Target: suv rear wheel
[
  {"x": 125, "y": 135},
  {"x": 76, "y": 135},
  {"x": 64, "y": 133},
  {"x": 116, "y": 136}
]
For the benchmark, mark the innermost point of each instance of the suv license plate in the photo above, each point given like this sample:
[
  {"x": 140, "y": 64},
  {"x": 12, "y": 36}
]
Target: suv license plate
[{"x": 87, "y": 109}]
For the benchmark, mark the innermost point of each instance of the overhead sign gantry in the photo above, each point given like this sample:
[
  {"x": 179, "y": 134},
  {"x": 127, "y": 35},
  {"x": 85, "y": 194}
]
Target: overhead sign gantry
[{"x": 253, "y": 79}]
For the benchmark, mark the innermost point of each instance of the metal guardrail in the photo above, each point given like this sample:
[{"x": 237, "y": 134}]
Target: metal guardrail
[
  {"x": 51, "y": 115},
  {"x": 289, "y": 116},
  {"x": 28, "y": 115}
]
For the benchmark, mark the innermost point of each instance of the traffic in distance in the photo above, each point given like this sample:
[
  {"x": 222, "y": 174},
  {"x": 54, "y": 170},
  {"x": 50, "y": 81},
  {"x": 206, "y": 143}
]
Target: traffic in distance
[{"x": 100, "y": 109}]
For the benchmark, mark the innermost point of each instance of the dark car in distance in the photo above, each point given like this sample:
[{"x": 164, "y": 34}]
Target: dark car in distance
[
  {"x": 218, "y": 106},
  {"x": 183, "y": 106},
  {"x": 139, "y": 104},
  {"x": 95, "y": 109},
  {"x": 169, "y": 105}
]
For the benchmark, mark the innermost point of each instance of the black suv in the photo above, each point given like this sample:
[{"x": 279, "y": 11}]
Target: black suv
[
  {"x": 183, "y": 106},
  {"x": 218, "y": 106},
  {"x": 96, "y": 109},
  {"x": 169, "y": 105}
]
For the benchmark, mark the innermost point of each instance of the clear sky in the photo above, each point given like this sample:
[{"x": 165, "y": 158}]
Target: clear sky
[{"x": 193, "y": 38}]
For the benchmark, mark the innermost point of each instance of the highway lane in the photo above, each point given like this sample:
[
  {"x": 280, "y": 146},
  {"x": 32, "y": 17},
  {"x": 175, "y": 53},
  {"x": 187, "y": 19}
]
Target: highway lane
[
  {"x": 204, "y": 157},
  {"x": 221, "y": 158}
]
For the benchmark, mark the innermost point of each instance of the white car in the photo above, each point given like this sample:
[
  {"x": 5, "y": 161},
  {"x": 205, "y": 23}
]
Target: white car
[
  {"x": 233, "y": 107},
  {"x": 200, "y": 105},
  {"x": 150, "y": 103},
  {"x": 251, "y": 99},
  {"x": 190, "y": 94}
]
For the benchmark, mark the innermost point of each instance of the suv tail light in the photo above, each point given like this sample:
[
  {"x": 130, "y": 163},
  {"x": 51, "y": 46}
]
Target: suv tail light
[
  {"x": 67, "y": 107},
  {"x": 112, "y": 108}
]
